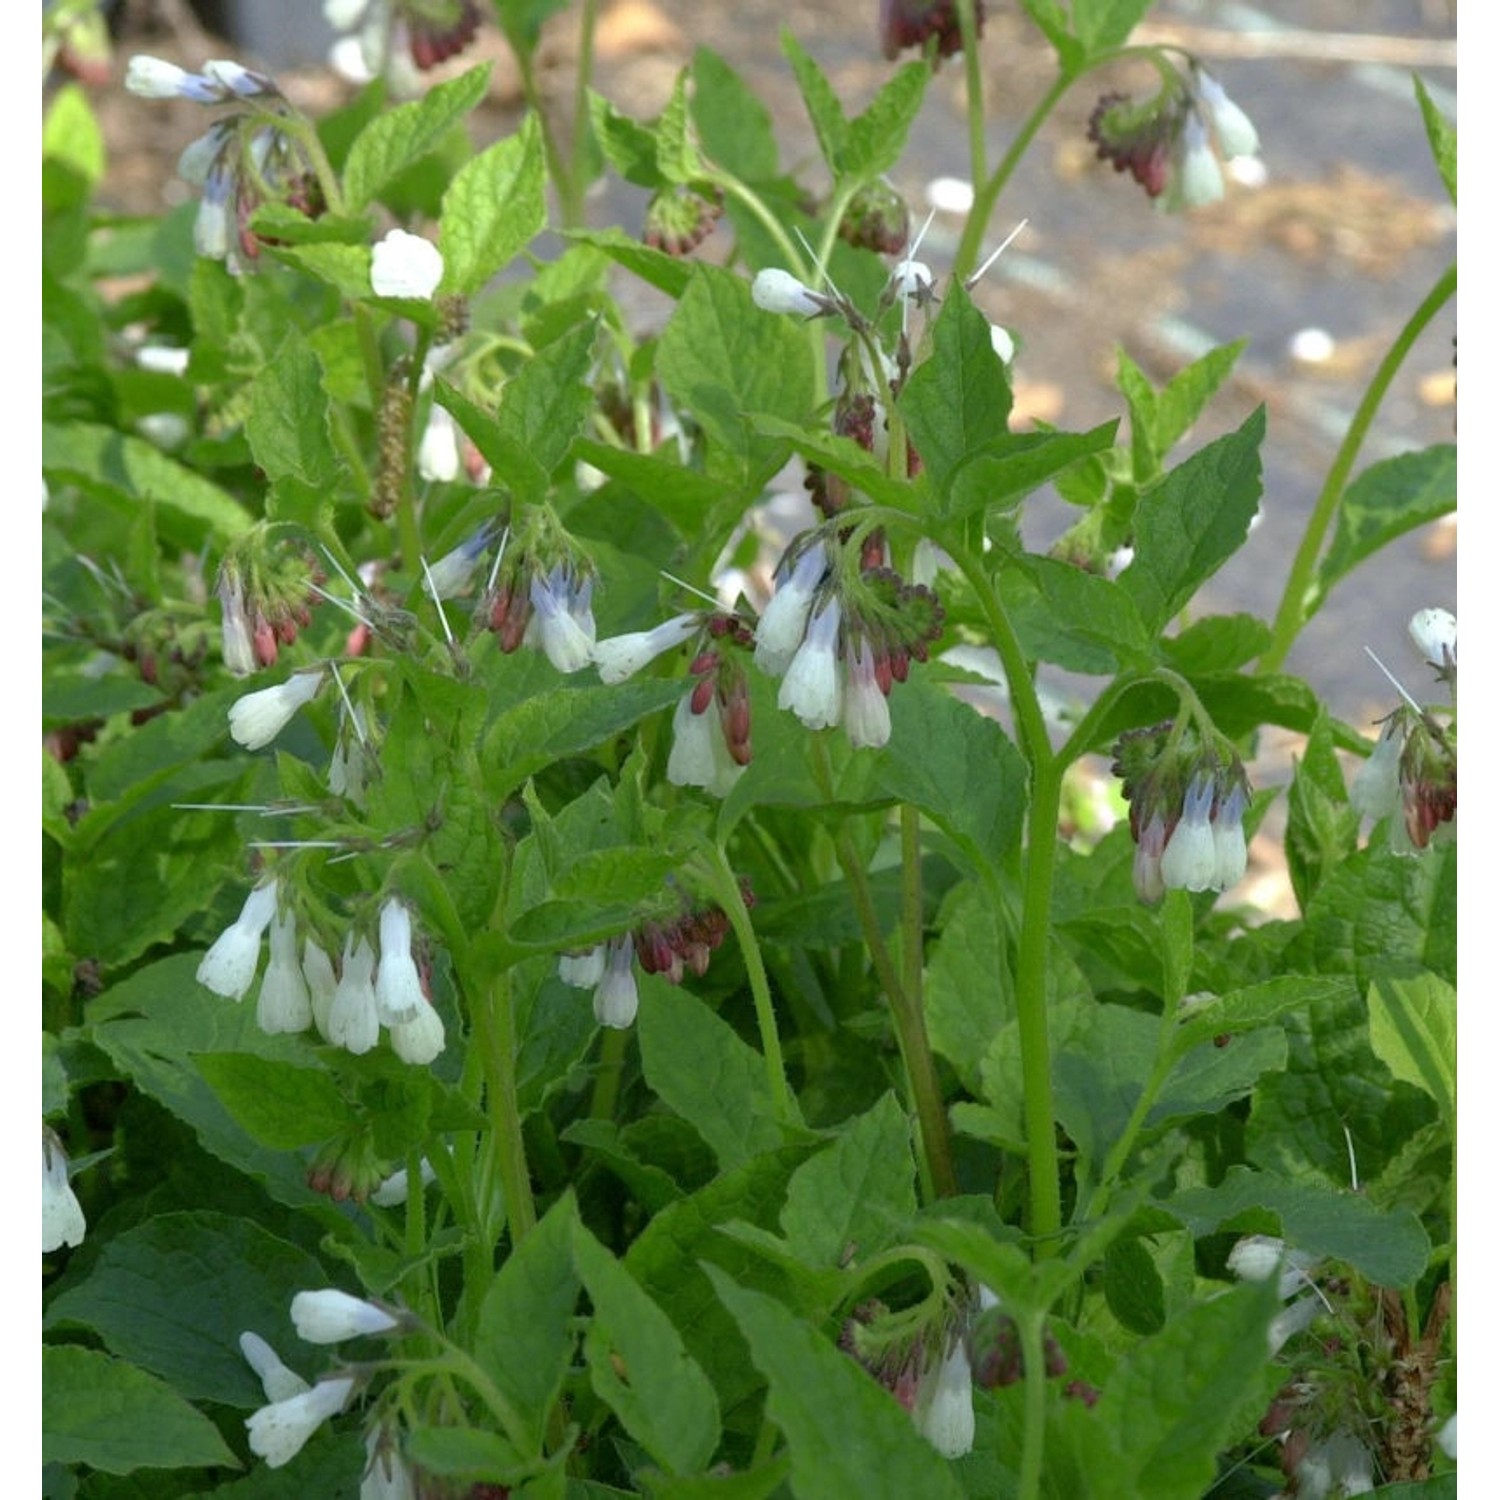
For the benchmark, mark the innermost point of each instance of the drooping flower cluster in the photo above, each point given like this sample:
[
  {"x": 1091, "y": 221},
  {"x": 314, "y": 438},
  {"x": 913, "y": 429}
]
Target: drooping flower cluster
[
  {"x": 542, "y": 595},
  {"x": 264, "y": 596},
  {"x": 1410, "y": 779},
  {"x": 246, "y": 157},
  {"x": 347, "y": 1005},
  {"x": 672, "y": 948},
  {"x": 1187, "y": 800},
  {"x": 679, "y": 218},
  {"x": 1167, "y": 142},
  {"x": 295, "y": 1410},
  {"x": 1357, "y": 1403},
  {"x": 401, "y": 39},
  {"x": 840, "y": 630}
]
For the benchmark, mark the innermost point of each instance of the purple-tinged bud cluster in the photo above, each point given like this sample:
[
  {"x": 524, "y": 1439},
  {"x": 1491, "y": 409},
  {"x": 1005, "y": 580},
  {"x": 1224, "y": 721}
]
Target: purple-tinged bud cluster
[
  {"x": 220, "y": 82},
  {"x": 1411, "y": 778},
  {"x": 673, "y": 948},
  {"x": 264, "y": 602},
  {"x": 1187, "y": 809},
  {"x": 877, "y": 219},
  {"x": 913, "y": 23},
  {"x": 678, "y": 219},
  {"x": 547, "y": 605},
  {"x": 420, "y": 33}
]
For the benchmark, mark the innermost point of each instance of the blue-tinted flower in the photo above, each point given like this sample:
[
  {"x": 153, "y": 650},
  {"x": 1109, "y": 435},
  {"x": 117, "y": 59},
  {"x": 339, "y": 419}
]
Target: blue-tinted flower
[
  {"x": 812, "y": 688},
  {"x": 1189, "y": 860},
  {"x": 278, "y": 1382},
  {"x": 622, "y": 656},
  {"x": 867, "y": 713},
  {"x": 617, "y": 998},
  {"x": 562, "y": 620},
  {"x": 783, "y": 623},
  {"x": 1231, "y": 125}
]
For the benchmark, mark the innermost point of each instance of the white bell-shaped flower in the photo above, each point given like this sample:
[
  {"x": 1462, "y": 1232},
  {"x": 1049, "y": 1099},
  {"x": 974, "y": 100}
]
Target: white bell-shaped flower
[
  {"x": 398, "y": 985},
  {"x": 353, "y": 1022},
  {"x": 811, "y": 688},
  {"x": 62, "y": 1215},
  {"x": 279, "y": 1431},
  {"x": 228, "y": 968},
  {"x": 284, "y": 1004},
  {"x": 329, "y": 1316},
  {"x": 257, "y": 718}
]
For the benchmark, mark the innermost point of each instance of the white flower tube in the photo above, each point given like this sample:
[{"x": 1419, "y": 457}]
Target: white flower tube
[
  {"x": 1232, "y": 127},
  {"x": 617, "y": 997},
  {"x": 322, "y": 984},
  {"x": 1189, "y": 860},
  {"x": 278, "y": 1382},
  {"x": 1434, "y": 632},
  {"x": 405, "y": 265},
  {"x": 279, "y": 1431},
  {"x": 398, "y": 986},
  {"x": 622, "y": 656},
  {"x": 784, "y": 622},
  {"x": 353, "y": 1022},
  {"x": 420, "y": 1040},
  {"x": 62, "y": 1215},
  {"x": 945, "y": 1406},
  {"x": 154, "y": 78},
  {"x": 284, "y": 1004},
  {"x": 228, "y": 968},
  {"x": 778, "y": 291},
  {"x": 257, "y": 718},
  {"x": 811, "y": 688},
  {"x": 329, "y": 1316}
]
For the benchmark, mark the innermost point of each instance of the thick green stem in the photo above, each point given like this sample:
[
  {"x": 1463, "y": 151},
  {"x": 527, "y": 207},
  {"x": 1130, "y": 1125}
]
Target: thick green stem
[
  {"x": 1034, "y": 1368},
  {"x": 987, "y": 193},
  {"x": 968, "y": 27},
  {"x": 925, "y": 1092},
  {"x": 730, "y": 898},
  {"x": 607, "y": 1078},
  {"x": 1036, "y": 913},
  {"x": 1293, "y": 612},
  {"x": 495, "y": 1031}
]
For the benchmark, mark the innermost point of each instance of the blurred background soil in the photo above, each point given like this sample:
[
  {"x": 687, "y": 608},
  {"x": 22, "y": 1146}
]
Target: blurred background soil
[{"x": 1318, "y": 261}]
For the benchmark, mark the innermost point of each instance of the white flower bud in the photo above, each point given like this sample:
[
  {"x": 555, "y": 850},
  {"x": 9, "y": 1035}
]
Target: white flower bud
[
  {"x": 405, "y": 265},
  {"x": 330, "y": 1316},
  {"x": 778, "y": 291},
  {"x": 1434, "y": 632}
]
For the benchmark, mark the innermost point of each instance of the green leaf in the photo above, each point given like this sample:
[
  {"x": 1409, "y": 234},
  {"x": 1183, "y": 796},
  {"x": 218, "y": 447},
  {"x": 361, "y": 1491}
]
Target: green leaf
[
  {"x": 1053, "y": 22},
  {"x": 1389, "y": 1246},
  {"x": 820, "y": 100},
  {"x": 1255, "y": 1006},
  {"x": 1388, "y": 499},
  {"x": 1076, "y": 619},
  {"x": 521, "y": 21},
  {"x": 855, "y": 1195},
  {"x": 970, "y": 990},
  {"x": 110, "y": 464},
  {"x": 697, "y": 1065},
  {"x": 957, "y": 401},
  {"x": 734, "y": 126},
  {"x": 1334, "y": 1114},
  {"x": 1414, "y": 1031},
  {"x": 1158, "y": 420},
  {"x": 1442, "y": 137},
  {"x": 1011, "y": 467},
  {"x": 846, "y": 1433},
  {"x": 393, "y": 141},
  {"x": 722, "y": 358},
  {"x": 108, "y": 1414},
  {"x": 667, "y": 1259},
  {"x": 628, "y": 146},
  {"x": 287, "y": 424},
  {"x": 346, "y": 268},
  {"x": 955, "y": 764},
  {"x": 1219, "y": 643},
  {"x": 685, "y": 498},
  {"x": 466, "y": 1453},
  {"x": 173, "y": 1295},
  {"x": 639, "y": 1367},
  {"x": 676, "y": 154},
  {"x": 72, "y": 150},
  {"x": 876, "y": 138},
  {"x": 1133, "y": 1287},
  {"x": 525, "y": 1336},
  {"x": 494, "y": 207},
  {"x": 544, "y": 407},
  {"x": 1193, "y": 520},
  {"x": 279, "y": 1105},
  {"x": 150, "y": 1025},
  {"x": 667, "y": 273},
  {"x": 1105, "y": 24},
  {"x": 531, "y": 735},
  {"x": 1322, "y": 830},
  {"x": 1170, "y": 1404}
]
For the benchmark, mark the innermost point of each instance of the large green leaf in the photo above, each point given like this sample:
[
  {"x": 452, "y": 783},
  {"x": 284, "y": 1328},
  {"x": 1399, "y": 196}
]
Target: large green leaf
[
  {"x": 638, "y": 1364},
  {"x": 847, "y": 1435},
  {"x": 1414, "y": 1031},
  {"x": 175, "y": 1293},
  {"x": 1193, "y": 520},
  {"x": 106, "y": 1413},
  {"x": 493, "y": 208}
]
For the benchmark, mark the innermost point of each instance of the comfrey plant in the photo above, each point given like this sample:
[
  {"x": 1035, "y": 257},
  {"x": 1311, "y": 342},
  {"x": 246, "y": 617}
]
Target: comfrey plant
[{"x": 563, "y": 869}]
